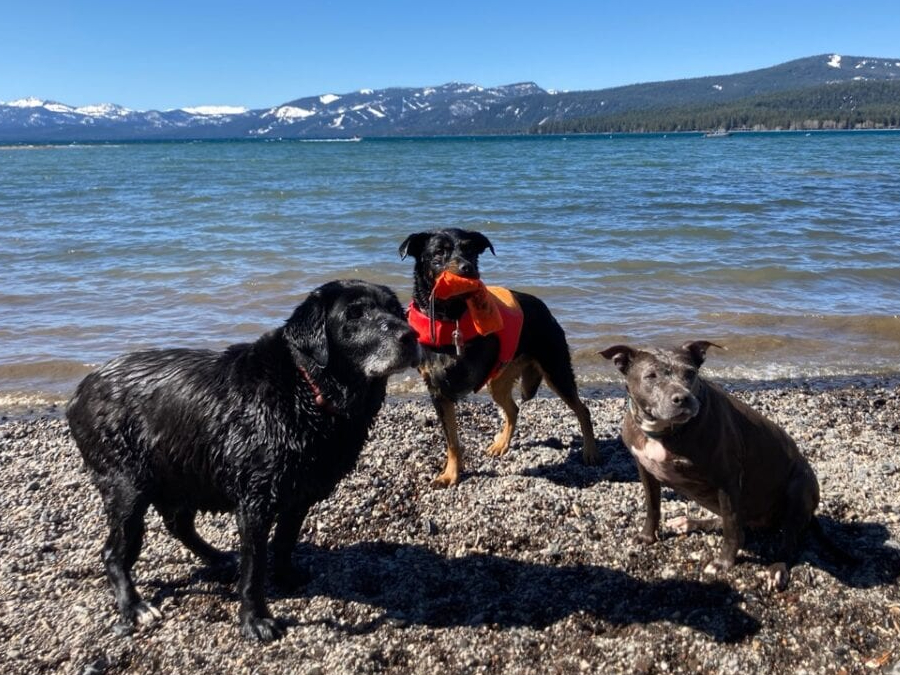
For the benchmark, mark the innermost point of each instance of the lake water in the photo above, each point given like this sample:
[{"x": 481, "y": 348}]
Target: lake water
[{"x": 782, "y": 247}]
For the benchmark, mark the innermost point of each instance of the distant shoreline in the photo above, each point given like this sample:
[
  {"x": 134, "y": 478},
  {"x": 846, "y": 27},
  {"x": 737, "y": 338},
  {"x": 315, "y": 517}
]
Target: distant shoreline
[{"x": 700, "y": 133}]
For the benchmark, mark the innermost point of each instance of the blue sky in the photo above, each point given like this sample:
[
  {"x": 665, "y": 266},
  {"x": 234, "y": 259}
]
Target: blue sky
[{"x": 165, "y": 54}]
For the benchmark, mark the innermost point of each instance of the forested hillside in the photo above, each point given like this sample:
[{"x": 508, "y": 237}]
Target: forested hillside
[{"x": 842, "y": 105}]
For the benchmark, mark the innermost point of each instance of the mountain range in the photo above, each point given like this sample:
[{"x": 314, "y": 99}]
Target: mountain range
[{"x": 449, "y": 109}]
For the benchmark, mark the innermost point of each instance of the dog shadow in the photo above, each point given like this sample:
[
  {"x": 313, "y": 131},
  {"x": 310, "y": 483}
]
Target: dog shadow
[
  {"x": 875, "y": 556},
  {"x": 617, "y": 466},
  {"x": 414, "y": 585}
]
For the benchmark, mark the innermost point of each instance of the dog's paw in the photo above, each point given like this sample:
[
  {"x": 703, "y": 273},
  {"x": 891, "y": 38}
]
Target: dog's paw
[
  {"x": 261, "y": 629},
  {"x": 498, "y": 447},
  {"x": 139, "y": 615},
  {"x": 777, "y": 577},
  {"x": 591, "y": 456},
  {"x": 445, "y": 480},
  {"x": 644, "y": 539}
]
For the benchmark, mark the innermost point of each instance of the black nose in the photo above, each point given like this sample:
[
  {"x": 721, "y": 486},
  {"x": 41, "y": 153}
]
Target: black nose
[
  {"x": 466, "y": 268},
  {"x": 679, "y": 399}
]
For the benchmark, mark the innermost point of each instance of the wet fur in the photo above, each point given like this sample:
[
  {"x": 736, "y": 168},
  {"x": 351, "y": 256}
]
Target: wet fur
[{"x": 242, "y": 431}]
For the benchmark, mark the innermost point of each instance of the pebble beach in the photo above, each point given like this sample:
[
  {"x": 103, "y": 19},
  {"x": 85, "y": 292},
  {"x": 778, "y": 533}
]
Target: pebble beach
[{"x": 526, "y": 566}]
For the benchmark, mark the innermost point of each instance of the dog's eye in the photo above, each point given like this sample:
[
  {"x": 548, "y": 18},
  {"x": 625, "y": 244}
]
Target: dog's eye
[
  {"x": 650, "y": 375},
  {"x": 354, "y": 312}
]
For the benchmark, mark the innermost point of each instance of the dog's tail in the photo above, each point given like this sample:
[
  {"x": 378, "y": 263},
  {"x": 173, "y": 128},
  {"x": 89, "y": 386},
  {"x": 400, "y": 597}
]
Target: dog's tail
[
  {"x": 531, "y": 380},
  {"x": 835, "y": 552}
]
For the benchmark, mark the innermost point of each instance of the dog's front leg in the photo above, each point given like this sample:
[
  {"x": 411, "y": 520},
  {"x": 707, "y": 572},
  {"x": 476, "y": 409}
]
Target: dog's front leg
[
  {"x": 255, "y": 620},
  {"x": 732, "y": 531},
  {"x": 446, "y": 412},
  {"x": 651, "y": 502},
  {"x": 284, "y": 540}
]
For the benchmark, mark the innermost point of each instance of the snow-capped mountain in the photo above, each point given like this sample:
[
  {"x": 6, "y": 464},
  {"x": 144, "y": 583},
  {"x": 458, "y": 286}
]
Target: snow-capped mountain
[{"x": 449, "y": 109}]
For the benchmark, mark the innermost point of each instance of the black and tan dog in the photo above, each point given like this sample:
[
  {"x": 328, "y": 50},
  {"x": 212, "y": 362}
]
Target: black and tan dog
[
  {"x": 454, "y": 369},
  {"x": 690, "y": 435},
  {"x": 263, "y": 430}
]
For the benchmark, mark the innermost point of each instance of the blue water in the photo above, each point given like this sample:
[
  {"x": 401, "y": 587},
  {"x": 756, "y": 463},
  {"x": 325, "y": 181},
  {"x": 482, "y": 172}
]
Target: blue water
[{"x": 783, "y": 247}]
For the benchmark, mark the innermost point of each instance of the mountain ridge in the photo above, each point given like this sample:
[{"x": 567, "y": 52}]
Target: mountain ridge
[{"x": 453, "y": 108}]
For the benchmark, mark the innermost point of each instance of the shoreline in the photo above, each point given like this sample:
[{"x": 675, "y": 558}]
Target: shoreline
[
  {"x": 16, "y": 406},
  {"x": 526, "y": 566}
]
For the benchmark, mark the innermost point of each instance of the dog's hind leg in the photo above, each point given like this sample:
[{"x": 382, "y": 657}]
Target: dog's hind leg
[
  {"x": 125, "y": 511},
  {"x": 557, "y": 370},
  {"x": 180, "y": 523},
  {"x": 501, "y": 391},
  {"x": 531, "y": 380},
  {"x": 801, "y": 500},
  {"x": 446, "y": 411}
]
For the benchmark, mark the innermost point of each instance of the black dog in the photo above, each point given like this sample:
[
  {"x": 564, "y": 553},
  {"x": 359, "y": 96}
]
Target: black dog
[
  {"x": 264, "y": 430},
  {"x": 453, "y": 370}
]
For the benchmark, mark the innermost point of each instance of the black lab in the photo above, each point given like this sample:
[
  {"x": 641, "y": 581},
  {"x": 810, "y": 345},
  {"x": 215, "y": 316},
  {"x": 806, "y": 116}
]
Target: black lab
[
  {"x": 452, "y": 371},
  {"x": 263, "y": 430}
]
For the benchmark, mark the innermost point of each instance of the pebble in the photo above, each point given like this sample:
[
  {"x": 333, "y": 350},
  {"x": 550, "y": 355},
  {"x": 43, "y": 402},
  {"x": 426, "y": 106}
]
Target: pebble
[{"x": 526, "y": 566}]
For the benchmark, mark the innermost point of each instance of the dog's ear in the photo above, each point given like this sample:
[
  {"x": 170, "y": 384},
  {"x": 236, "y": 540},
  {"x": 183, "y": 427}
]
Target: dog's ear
[
  {"x": 697, "y": 350},
  {"x": 622, "y": 356},
  {"x": 482, "y": 242},
  {"x": 414, "y": 245},
  {"x": 305, "y": 330}
]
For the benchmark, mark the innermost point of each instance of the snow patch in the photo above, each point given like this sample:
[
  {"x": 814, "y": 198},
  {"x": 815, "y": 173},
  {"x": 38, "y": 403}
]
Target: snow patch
[
  {"x": 835, "y": 61},
  {"x": 325, "y": 99},
  {"x": 26, "y": 103},
  {"x": 58, "y": 108},
  {"x": 215, "y": 110},
  {"x": 367, "y": 92},
  {"x": 102, "y": 110},
  {"x": 717, "y": 87},
  {"x": 288, "y": 112},
  {"x": 375, "y": 112},
  {"x": 337, "y": 122}
]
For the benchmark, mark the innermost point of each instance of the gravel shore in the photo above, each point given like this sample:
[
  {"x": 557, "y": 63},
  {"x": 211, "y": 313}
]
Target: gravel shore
[{"x": 526, "y": 567}]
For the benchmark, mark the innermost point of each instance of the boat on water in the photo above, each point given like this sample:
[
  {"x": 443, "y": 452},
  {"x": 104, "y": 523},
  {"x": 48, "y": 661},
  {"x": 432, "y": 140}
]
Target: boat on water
[{"x": 718, "y": 133}]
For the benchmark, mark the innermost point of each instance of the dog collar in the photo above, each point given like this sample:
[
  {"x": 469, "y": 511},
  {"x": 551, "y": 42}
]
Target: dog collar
[{"x": 319, "y": 397}]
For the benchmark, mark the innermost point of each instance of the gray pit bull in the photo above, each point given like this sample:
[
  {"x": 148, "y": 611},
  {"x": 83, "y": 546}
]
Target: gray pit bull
[{"x": 692, "y": 436}]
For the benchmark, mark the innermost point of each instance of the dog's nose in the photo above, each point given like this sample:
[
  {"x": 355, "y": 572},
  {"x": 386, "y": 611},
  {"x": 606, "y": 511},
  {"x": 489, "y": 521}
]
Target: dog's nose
[
  {"x": 679, "y": 399},
  {"x": 466, "y": 268}
]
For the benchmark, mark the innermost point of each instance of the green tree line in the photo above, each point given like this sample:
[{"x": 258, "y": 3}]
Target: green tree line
[{"x": 849, "y": 105}]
